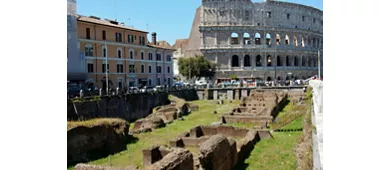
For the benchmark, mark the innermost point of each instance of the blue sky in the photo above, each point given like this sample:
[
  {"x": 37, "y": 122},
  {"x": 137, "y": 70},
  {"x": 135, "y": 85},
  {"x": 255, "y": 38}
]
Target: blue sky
[{"x": 170, "y": 19}]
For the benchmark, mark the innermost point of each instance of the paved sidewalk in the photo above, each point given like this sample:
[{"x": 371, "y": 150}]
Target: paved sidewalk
[{"x": 317, "y": 121}]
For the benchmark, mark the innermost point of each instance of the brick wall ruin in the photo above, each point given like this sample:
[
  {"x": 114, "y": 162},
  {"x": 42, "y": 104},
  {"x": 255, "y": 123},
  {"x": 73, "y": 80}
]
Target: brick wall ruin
[{"x": 259, "y": 108}]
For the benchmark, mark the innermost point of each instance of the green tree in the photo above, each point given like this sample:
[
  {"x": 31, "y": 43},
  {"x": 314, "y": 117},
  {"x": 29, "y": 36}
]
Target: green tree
[{"x": 197, "y": 66}]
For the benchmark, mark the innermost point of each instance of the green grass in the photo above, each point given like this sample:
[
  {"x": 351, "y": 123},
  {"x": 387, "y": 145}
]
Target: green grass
[
  {"x": 295, "y": 124},
  {"x": 133, "y": 156},
  {"x": 276, "y": 153}
]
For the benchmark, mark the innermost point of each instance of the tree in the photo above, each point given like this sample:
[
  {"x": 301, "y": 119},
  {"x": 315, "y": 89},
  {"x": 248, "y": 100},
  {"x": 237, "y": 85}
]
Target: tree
[{"x": 197, "y": 66}]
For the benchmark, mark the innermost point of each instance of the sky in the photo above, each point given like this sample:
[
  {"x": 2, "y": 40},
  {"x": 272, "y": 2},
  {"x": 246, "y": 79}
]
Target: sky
[{"x": 170, "y": 19}]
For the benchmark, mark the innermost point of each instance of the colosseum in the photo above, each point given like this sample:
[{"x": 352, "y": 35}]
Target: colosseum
[{"x": 270, "y": 40}]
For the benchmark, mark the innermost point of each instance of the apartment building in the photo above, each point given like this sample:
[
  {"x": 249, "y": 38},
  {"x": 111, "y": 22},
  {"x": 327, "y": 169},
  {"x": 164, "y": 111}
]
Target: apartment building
[{"x": 126, "y": 53}]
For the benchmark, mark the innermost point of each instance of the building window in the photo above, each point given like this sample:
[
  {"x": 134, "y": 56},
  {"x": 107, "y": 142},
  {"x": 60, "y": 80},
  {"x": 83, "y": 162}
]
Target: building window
[
  {"x": 119, "y": 53},
  {"x": 150, "y": 82},
  {"x": 131, "y": 55},
  {"x": 119, "y": 68},
  {"x": 142, "y": 41},
  {"x": 142, "y": 69},
  {"x": 104, "y": 52},
  {"x": 142, "y": 55},
  {"x": 130, "y": 38},
  {"x": 118, "y": 37},
  {"x": 268, "y": 14},
  {"x": 150, "y": 69},
  {"x": 150, "y": 56},
  {"x": 135, "y": 37},
  {"x": 90, "y": 68},
  {"x": 168, "y": 69},
  {"x": 158, "y": 57},
  {"x": 314, "y": 20},
  {"x": 288, "y": 16},
  {"x": 169, "y": 58},
  {"x": 247, "y": 14},
  {"x": 120, "y": 83},
  {"x": 88, "y": 30},
  {"x": 158, "y": 81},
  {"x": 136, "y": 53},
  {"x": 158, "y": 69},
  {"x": 104, "y": 35},
  {"x": 88, "y": 51},
  {"x": 104, "y": 67},
  {"x": 303, "y": 18},
  {"x": 131, "y": 69}
]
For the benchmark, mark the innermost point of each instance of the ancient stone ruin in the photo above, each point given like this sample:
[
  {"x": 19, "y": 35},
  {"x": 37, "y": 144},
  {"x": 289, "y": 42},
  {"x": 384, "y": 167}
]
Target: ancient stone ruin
[
  {"x": 219, "y": 147},
  {"x": 96, "y": 139},
  {"x": 164, "y": 115},
  {"x": 162, "y": 157},
  {"x": 259, "y": 108}
]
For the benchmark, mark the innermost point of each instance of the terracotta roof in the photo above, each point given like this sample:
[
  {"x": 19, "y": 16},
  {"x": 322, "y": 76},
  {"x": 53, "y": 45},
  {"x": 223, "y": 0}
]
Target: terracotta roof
[
  {"x": 161, "y": 47},
  {"x": 106, "y": 23}
]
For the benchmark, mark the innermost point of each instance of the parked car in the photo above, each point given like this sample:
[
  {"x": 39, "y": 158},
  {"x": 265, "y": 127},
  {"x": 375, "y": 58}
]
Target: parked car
[{"x": 133, "y": 90}]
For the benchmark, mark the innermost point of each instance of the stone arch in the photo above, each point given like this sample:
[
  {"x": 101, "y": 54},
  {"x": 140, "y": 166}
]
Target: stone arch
[
  {"x": 315, "y": 61},
  {"x": 279, "y": 78},
  {"x": 234, "y": 39},
  {"x": 247, "y": 61},
  {"x": 268, "y": 39},
  {"x": 257, "y": 39},
  {"x": 269, "y": 61},
  {"x": 235, "y": 61},
  {"x": 258, "y": 61},
  {"x": 296, "y": 61},
  {"x": 304, "y": 61},
  {"x": 269, "y": 78},
  {"x": 286, "y": 40},
  {"x": 278, "y": 61},
  {"x": 309, "y": 62},
  {"x": 277, "y": 39},
  {"x": 246, "y": 39},
  {"x": 287, "y": 77},
  {"x": 288, "y": 61}
]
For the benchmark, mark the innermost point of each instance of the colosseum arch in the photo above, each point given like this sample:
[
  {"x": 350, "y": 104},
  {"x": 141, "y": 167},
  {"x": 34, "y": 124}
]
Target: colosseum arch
[
  {"x": 277, "y": 39},
  {"x": 258, "y": 61},
  {"x": 286, "y": 40},
  {"x": 309, "y": 62},
  {"x": 269, "y": 60},
  {"x": 235, "y": 61},
  {"x": 288, "y": 60},
  {"x": 257, "y": 39},
  {"x": 296, "y": 61},
  {"x": 234, "y": 39},
  {"x": 247, "y": 39},
  {"x": 303, "y": 42},
  {"x": 279, "y": 78},
  {"x": 278, "y": 61},
  {"x": 268, "y": 39},
  {"x": 247, "y": 61},
  {"x": 304, "y": 61},
  {"x": 315, "y": 61},
  {"x": 269, "y": 78}
]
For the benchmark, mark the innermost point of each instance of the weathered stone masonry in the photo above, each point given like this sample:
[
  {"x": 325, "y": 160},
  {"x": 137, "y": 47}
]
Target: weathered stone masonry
[{"x": 266, "y": 40}]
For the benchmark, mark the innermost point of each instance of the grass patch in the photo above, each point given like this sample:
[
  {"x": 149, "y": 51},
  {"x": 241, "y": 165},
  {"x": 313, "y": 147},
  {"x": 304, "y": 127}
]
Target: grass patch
[
  {"x": 133, "y": 155},
  {"x": 89, "y": 99},
  {"x": 295, "y": 124},
  {"x": 95, "y": 122},
  {"x": 276, "y": 153}
]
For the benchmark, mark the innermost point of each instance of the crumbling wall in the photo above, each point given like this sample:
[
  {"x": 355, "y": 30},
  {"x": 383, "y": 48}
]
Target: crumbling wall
[
  {"x": 96, "y": 139},
  {"x": 218, "y": 153},
  {"x": 169, "y": 159}
]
